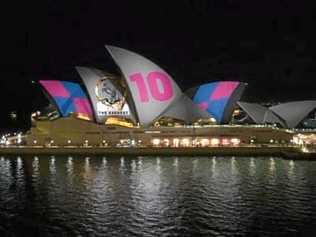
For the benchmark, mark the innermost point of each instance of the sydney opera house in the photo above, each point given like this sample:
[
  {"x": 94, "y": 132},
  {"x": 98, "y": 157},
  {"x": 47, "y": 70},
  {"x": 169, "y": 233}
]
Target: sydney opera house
[{"x": 144, "y": 106}]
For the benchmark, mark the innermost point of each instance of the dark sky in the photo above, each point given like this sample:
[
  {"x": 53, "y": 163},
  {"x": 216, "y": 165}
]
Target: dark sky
[{"x": 269, "y": 44}]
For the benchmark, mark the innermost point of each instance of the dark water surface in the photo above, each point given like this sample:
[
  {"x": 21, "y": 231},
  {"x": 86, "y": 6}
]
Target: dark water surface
[{"x": 150, "y": 196}]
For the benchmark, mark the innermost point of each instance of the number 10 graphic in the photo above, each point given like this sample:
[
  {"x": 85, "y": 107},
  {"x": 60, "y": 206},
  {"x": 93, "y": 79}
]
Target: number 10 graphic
[{"x": 152, "y": 81}]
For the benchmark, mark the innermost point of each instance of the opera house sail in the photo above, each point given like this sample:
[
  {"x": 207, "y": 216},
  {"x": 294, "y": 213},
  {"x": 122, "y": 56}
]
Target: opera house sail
[
  {"x": 107, "y": 94},
  {"x": 142, "y": 105},
  {"x": 68, "y": 98},
  {"x": 218, "y": 98},
  {"x": 152, "y": 89},
  {"x": 287, "y": 115}
]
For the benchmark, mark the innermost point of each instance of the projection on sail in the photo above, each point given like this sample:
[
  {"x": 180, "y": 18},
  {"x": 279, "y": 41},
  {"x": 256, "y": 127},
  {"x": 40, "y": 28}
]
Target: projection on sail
[
  {"x": 69, "y": 98},
  {"x": 107, "y": 99},
  {"x": 152, "y": 89},
  {"x": 219, "y": 98}
]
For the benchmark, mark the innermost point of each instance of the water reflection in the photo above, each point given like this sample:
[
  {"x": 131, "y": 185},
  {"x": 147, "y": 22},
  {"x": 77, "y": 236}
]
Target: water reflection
[
  {"x": 175, "y": 162},
  {"x": 52, "y": 166},
  {"x": 69, "y": 166},
  {"x": 140, "y": 161},
  {"x": 158, "y": 167},
  {"x": 19, "y": 172},
  {"x": 291, "y": 169},
  {"x": 233, "y": 165},
  {"x": 122, "y": 162},
  {"x": 272, "y": 165},
  {"x": 36, "y": 167},
  {"x": 133, "y": 165},
  {"x": 104, "y": 161},
  {"x": 156, "y": 196},
  {"x": 252, "y": 168},
  {"x": 213, "y": 167}
]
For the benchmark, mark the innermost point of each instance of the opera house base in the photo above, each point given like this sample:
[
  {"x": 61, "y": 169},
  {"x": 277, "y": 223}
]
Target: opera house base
[
  {"x": 73, "y": 136},
  {"x": 285, "y": 152}
]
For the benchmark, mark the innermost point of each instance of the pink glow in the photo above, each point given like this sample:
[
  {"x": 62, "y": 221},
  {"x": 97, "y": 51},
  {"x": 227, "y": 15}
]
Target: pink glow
[
  {"x": 224, "y": 89},
  {"x": 83, "y": 106},
  {"x": 141, "y": 87},
  {"x": 203, "y": 105},
  {"x": 55, "y": 88},
  {"x": 162, "y": 95}
]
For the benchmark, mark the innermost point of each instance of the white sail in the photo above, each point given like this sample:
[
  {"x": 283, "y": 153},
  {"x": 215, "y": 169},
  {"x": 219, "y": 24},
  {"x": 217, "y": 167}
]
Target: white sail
[
  {"x": 107, "y": 100},
  {"x": 152, "y": 89}
]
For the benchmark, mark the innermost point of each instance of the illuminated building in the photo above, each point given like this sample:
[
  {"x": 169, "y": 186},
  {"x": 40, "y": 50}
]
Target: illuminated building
[
  {"x": 143, "y": 106},
  {"x": 287, "y": 115}
]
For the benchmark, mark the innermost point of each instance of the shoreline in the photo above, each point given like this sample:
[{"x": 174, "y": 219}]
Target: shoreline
[{"x": 284, "y": 152}]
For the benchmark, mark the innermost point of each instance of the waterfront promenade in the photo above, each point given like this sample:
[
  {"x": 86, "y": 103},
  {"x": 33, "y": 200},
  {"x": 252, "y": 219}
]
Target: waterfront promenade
[{"x": 242, "y": 151}]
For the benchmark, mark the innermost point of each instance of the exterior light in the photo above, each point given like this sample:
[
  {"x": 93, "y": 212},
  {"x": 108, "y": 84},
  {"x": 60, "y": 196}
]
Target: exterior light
[
  {"x": 52, "y": 141},
  {"x": 185, "y": 142},
  {"x": 271, "y": 141},
  {"x": 166, "y": 142},
  {"x": 205, "y": 142},
  {"x": 35, "y": 141},
  {"x": 215, "y": 141},
  {"x": 156, "y": 141},
  {"x": 176, "y": 142},
  {"x": 19, "y": 140},
  {"x": 69, "y": 141},
  {"x": 225, "y": 142},
  {"x": 235, "y": 141}
]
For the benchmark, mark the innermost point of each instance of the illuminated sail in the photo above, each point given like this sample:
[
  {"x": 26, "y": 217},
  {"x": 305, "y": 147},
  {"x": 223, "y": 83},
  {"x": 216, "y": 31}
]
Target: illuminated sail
[
  {"x": 107, "y": 99},
  {"x": 152, "y": 89},
  {"x": 218, "y": 98},
  {"x": 69, "y": 98}
]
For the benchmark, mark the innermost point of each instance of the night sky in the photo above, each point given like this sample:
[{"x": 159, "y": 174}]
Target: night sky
[{"x": 269, "y": 45}]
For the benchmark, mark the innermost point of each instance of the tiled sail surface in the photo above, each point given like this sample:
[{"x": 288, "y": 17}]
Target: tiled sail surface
[
  {"x": 218, "y": 98},
  {"x": 184, "y": 109},
  {"x": 69, "y": 98},
  {"x": 255, "y": 111},
  {"x": 294, "y": 112},
  {"x": 260, "y": 114}
]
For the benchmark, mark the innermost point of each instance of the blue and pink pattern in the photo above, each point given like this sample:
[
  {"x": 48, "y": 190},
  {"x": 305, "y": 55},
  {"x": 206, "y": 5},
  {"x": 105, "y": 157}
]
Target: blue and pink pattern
[
  {"x": 69, "y": 98},
  {"x": 214, "y": 97}
]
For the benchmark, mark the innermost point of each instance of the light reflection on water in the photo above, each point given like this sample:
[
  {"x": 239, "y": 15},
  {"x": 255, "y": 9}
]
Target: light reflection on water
[{"x": 156, "y": 196}]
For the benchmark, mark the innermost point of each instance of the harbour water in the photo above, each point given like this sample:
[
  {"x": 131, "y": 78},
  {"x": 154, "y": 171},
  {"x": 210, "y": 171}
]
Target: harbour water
[{"x": 156, "y": 196}]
